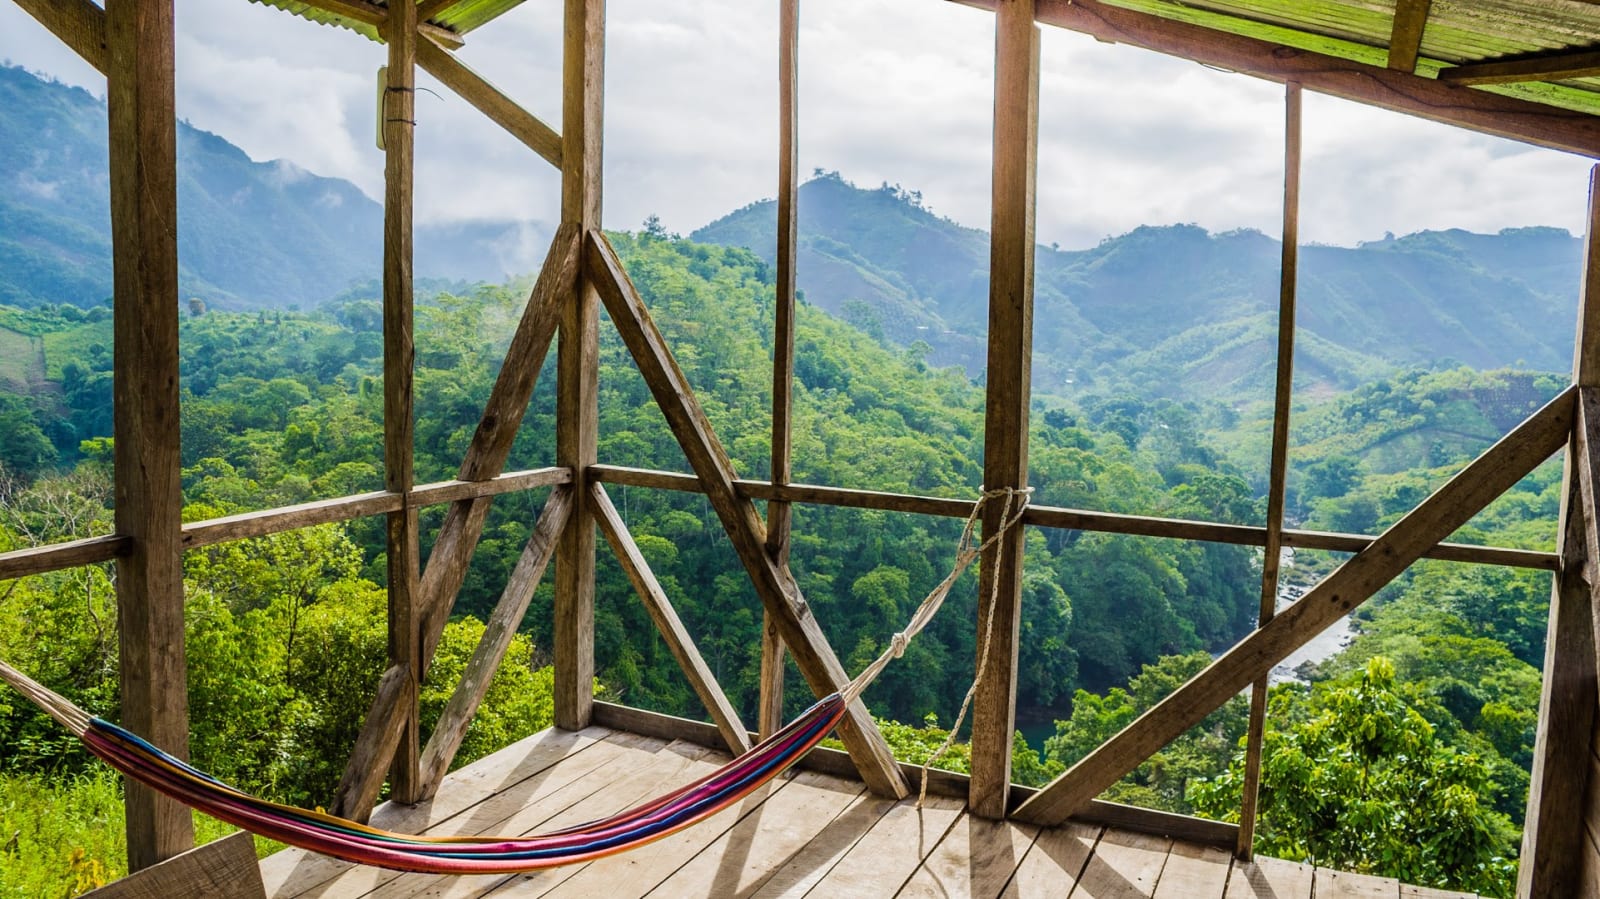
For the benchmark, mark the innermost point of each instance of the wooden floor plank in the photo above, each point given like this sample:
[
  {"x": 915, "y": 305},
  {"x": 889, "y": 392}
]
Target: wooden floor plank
[
  {"x": 891, "y": 851},
  {"x": 976, "y": 858},
  {"x": 639, "y": 870},
  {"x": 1407, "y": 891},
  {"x": 1270, "y": 878},
  {"x": 1193, "y": 871},
  {"x": 542, "y": 757},
  {"x": 618, "y": 788},
  {"x": 805, "y": 870},
  {"x": 1345, "y": 885},
  {"x": 1123, "y": 865},
  {"x": 742, "y": 860},
  {"x": 1054, "y": 863}
]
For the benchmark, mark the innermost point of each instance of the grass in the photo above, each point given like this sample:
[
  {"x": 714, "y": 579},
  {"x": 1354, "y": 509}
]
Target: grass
[
  {"x": 64, "y": 836},
  {"x": 72, "y": 344},
  {"x": 16, "y": 356}
]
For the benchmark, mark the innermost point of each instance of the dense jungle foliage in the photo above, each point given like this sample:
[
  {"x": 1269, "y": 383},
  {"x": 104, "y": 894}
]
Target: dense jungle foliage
[{"x": 286, "y": 633}]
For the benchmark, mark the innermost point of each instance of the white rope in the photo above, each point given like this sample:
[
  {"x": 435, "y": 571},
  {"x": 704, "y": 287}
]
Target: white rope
[
  {"x": 967, "y": 551},
  {"x": 53, "y": 704}
]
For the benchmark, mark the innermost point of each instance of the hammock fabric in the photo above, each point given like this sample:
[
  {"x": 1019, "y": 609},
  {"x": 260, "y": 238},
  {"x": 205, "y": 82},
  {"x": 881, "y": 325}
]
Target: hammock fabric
[{"x": 358, "y": 843}]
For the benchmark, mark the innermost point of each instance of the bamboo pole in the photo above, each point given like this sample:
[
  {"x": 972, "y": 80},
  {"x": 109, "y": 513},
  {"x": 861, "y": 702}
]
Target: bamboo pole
[
  {"x": 770, "y": 716},
  {"x": 1279, "y": 470}
]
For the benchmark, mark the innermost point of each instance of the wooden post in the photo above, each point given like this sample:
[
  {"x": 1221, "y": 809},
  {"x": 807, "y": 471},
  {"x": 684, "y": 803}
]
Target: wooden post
[
  {"x": 148, "y": 495},
  {"x": 1009, "y": 370},
  {"x": 399, "y": 353},
  {"x": 778, "y": 512},
  {"x": 1279, "y": 471},
  {"x": 1553, "y": 833},
  {"x": 577, "y": 362}
]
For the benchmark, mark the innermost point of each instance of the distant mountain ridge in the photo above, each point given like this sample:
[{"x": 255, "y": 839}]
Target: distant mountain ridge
[
  {"x": 1174, "y": 309},
  {"x": 249, "y": 233}
]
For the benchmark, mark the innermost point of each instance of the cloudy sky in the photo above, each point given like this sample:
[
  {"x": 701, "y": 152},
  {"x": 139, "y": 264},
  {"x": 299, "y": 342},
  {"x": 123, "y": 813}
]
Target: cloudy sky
[{"x": 891, "y": 90}]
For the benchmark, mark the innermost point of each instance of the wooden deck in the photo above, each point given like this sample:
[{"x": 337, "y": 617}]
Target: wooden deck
[{"x": 810, "y": 834}]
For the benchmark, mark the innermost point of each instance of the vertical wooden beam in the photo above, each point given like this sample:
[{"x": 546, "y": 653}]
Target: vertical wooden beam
[
  {"x": 1552, "y": 832},
  {"x": 140, "y": 99},
  {"x": 778, "y": 512},
  {"x": 577, "y": 361},
  {"x": 399, "y": 353},
  {"x": 1009, "y": 370},
  {"x": 1279, "y": 467},
  {"x": 1405, "y": 37}
]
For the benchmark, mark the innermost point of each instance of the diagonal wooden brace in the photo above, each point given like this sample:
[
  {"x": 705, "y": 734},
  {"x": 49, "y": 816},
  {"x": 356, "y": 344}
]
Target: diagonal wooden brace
[
  {"x": 1488, "y": 476},
  {"x": 773, "y": 582}
]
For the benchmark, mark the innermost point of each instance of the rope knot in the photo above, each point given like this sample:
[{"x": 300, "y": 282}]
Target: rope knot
[{"x": 898, "y": 644}]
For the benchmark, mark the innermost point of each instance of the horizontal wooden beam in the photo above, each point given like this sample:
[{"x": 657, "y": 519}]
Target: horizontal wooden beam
[
  {"x": 1473, "y": 488},
  {"x": 952, "y": 784},
  {"x": 490, "y": 100},
  {"x": 1452, "y": 104},
  {"x": 57, "y": 556},
  {"x": 1543, "y": 67},
  {"x": 510, "y": 482},
  {"x": 1070, "y": 519},
  {"x": 378, "y": 16},
  {"x": 79, "y": 24}
]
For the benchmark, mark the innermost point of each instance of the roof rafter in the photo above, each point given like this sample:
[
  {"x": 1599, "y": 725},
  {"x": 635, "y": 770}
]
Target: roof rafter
[
  {"x": 1534, "y": 123},
  {"x": 80, "y": 24},
  {"x": 1405, "y": 41},
  {"x": 1538, "y": 67},
  {"x": 372, "y": 14}
]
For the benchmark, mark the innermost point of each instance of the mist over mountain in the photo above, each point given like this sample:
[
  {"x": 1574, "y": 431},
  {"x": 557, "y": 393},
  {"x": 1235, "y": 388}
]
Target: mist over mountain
[
  {"x": 1176, "y": 309},
  {"x": 250, "y": 234}
]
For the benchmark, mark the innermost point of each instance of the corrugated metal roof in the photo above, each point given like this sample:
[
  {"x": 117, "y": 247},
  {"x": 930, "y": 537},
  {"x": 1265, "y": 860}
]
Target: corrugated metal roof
[
  {"x": 460, "y": 17},
  {"x": 1457, "y": 32}
]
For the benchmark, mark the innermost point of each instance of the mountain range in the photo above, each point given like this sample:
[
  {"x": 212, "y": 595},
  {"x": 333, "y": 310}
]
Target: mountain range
[{"x": 1162, "y": 310}]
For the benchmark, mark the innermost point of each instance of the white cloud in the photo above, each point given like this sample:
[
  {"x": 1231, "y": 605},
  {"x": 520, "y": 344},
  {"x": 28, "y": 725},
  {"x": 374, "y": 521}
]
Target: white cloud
[{"x": 893, "y": 90}]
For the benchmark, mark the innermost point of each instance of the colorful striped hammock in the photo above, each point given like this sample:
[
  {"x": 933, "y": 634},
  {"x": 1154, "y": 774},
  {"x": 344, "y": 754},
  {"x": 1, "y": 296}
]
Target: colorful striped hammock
[{"x": 361, "y": 844}]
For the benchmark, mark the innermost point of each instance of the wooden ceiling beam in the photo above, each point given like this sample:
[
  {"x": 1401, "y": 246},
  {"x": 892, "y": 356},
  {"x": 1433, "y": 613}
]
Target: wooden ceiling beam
[
  {"x": 1405, "y": 40},
  {"x": 428, "y": 9},
  {"x": 1534, "y": 123},
  {"x": 1541, "y": 67},
  {"x": 375, "y": 15},
  {"x": 80, "y": 24}
]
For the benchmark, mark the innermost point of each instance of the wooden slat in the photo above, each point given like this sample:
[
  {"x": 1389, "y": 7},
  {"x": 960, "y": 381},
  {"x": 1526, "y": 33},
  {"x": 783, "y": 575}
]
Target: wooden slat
[
  {"x": 1193, "y": 871},
  {"x": 497, "y": 634},
  {"x": 509, "y": 773},
  {"x": 1405, "y": 38},
  {"x": 1534, "y": 123},
  {"x": 1008, "y": 389},
  {"x": 1054, "y": 863},
  {"x": 1491, "y": 474},
  {"x": 891, "y": 851},
  {"x": 578, "y": 358},
  {"x": 742, "y": 860},
  {"x": 976, "y": 858},
  {"x": 773, "y": 583},
  {"x": 805, "y": 869},
  {"x": 373, "y": 14},
  {"x": 404, "y": 552},
  {"x": 1069, "y": 519},
  {"x": 490, "y": 100},
  {"x": 1123, "y": 865},
  {"x": 1278, "y": 470},
  {"x": 79, "y": 24},
  {"x": 510, "y": 482},
  {"x": 1345, "y": 885},
  {"x": 246, "y": 525},
  {"x": 224, "y": 869},
  {"x": 148, "y": 500},
  {"x": 1542, "y": 67},
  {"x": 363, "y": 774},
  {"x": 1270, "y": 878},
  {"x": 677, "y": 637},
  {"x": 770, "y": 716},
  {"x": 1407, "y": 891},
  {"x": 56, "y": 556}
]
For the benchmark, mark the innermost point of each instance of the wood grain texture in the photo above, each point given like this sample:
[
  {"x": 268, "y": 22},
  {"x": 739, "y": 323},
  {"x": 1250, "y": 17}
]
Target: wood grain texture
[
  {"x": 1345, "y": 885},
  {"x": 79, "y": 24},
  {"x": 223, "y": 869},
  {"x": 1008, "y": 393},
  {"x": 1485, "y": 478},
  {"x": 490, "y": 100},
  {"x": 976, "y": 858},
  {"x": 1070, "y": 519},
  {"x": 682, "y": 646},
  {"x": 57, "y": 556},
  {"x": 1557, "y": 66},
  {"x": 148, "y": 498},
  {"x": 373, "y": 14},
  {"x": 1438, "y": 101},
  {"x": 1405, "y": 37},
  {"x": 773, "y": 583},
  {"x": 510, "y": 482},
  {"x": 498, "y": 631},
  {"x": 1054, "y": 863},
  {"x": 1124, "y": 865},
  {"x": 1193, "y": 871},
  {"x": 1278, "y": 464},
  {"x": 577, "y": 359},
  {"x": 1270, "y": 878}
]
